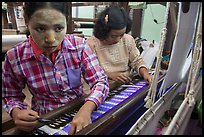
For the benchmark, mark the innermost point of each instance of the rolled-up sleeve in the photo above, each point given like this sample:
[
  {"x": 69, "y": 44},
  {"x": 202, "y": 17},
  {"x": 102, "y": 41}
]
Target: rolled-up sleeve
[
  {"x": 95, "y": 77},
  {"x": 136, "y": 61},
  {"x": 12, "y": 95}
]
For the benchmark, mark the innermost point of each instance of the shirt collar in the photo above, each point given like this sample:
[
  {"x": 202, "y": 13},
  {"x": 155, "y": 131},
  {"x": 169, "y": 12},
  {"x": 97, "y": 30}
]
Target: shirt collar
[
  {"x": 66, "y": 45},
  {"x": 38, "y": 51}
]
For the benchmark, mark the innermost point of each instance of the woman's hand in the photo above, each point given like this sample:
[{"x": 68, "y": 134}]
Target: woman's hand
[
  {"x": 82, "y": 118},
  {"x": 25, "y": 120},
  {"x": 146, "y": 76},
  {"x": 120, "y": 77}
]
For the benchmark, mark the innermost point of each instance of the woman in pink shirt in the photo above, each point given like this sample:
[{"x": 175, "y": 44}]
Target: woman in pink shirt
[
  {"x": 115, "y": 49},
  {"x": 51, "y": 63}
]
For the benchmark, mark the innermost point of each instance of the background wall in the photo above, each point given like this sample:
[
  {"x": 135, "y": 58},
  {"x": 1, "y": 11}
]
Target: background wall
[
  {"x": 150, "y": 30},
  {"x": 84, "y": 12}
]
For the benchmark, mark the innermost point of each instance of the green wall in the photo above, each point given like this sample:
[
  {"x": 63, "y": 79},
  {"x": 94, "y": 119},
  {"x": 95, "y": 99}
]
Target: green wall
[
  {"x": 151, "y": 30},
  {"x": 84, "y": 12}
]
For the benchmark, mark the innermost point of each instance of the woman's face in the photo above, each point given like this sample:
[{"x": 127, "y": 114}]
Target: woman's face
[
  {"x": 48, "y": 28},
  {"x": 114, "y": 36}
]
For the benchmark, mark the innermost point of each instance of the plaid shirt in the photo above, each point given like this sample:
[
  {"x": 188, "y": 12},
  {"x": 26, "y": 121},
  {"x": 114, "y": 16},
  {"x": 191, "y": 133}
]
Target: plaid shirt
[{"x": 52, "y": 84}]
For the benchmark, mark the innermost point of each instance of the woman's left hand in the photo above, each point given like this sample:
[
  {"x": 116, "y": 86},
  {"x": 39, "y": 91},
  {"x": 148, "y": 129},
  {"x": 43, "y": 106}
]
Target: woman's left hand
[
  {"x": 146, "y": 76},
  {"x": 82, "y": 118}
]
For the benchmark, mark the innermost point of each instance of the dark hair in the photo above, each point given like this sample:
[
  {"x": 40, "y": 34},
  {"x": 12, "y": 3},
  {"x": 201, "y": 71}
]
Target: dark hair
[
  {"x": 31, "y": 7},
  {"x": 118, "y": 18}
]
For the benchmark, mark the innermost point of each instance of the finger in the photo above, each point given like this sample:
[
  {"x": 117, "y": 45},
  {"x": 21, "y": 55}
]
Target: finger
[
  {"x": 129, "y": 79},
  {"x": 87, "y": 123},
  {"x": 29, "y": 118},
  {"x": 121, "y": 80},
  {"x": 72, "y": 129},
  {"x": 150, "y": 80},
  {"x": 78, "y": 128},
  {"x": 126, "y": 79},
  {"x": 33, "y": 113}
]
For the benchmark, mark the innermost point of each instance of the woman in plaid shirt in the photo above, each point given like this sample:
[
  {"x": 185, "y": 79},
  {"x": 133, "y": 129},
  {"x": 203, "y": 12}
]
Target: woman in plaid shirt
[{"x": 51, "y": 63}]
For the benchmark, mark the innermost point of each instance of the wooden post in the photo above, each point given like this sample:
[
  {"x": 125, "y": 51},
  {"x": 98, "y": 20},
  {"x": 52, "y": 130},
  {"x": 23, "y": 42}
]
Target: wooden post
[
  {"x": 136, "y": 23},
  {"x": 69, "y": 22},
  {"x": 171, "y": 27},
  {"x": 4, "y": 20},
  {"x": 12, "y": 14}
]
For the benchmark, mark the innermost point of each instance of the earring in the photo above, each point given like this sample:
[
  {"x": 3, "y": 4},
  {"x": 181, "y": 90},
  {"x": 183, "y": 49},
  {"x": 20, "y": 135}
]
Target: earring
[
  {"x": 46, "y": 39},
  {"x": 106, "y": 19}
]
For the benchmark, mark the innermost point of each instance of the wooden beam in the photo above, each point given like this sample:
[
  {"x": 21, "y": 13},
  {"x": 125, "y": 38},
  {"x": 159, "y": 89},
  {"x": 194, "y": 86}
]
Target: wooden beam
[
  {"x": 90, "y": 4},
  {"x": 162, "y": 3},
  {"x": 69, "y": 22},
  {"x": 84, "y": 19},
  {"x": 10, "y": 6},
  {"x": 18, "y": 4},
  {"x": 171, "y": 28},
  {"x": 4, "y": 20},
  {"x": 136, "y": 23}
]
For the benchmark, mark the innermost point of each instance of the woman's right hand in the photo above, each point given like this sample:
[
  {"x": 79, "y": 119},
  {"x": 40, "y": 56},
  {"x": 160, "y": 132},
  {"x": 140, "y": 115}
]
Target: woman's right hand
[
  {"x": 120, "y": 77},
  {"x": 25, "y": 120}
]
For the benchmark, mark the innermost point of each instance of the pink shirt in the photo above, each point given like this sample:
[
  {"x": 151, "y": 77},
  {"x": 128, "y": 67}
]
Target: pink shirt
[{"x": 52, "y": 84}]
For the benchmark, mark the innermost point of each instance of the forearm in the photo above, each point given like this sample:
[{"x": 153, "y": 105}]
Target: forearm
[
  {"x": 143, "y": 72},
  {"x": 14, "y": 112},
  {"x": 89, "y": 106}
]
